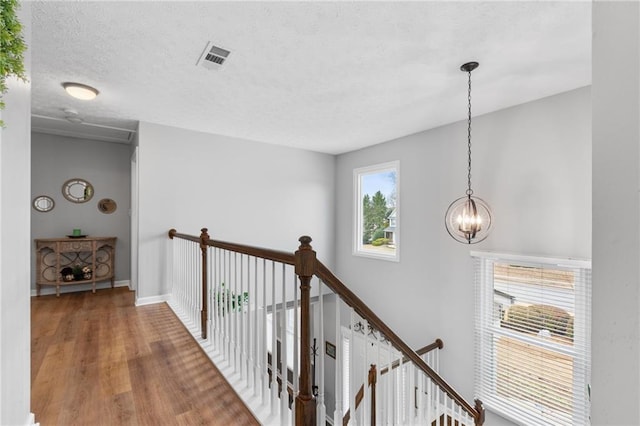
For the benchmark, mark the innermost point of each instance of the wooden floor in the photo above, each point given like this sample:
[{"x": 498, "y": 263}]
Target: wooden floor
[{"x": 98, "y": 360}]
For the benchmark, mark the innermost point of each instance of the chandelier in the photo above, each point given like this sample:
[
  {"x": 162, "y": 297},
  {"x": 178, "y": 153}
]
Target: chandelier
[{"x": 468, "y": 219}]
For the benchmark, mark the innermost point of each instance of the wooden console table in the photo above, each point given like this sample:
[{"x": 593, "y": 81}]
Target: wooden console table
[{"x": 95, "y": 254}]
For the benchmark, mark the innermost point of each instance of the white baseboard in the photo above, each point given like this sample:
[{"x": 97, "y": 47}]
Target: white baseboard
[
  {"x": 141, "y": 301},
  {"x": 48, "y": 290},
  {"x": 31, "y": 420}
]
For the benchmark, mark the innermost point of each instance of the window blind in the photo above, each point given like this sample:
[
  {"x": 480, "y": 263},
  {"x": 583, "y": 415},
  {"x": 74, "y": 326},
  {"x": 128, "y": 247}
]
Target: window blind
[{"x": 533, "y": 338}]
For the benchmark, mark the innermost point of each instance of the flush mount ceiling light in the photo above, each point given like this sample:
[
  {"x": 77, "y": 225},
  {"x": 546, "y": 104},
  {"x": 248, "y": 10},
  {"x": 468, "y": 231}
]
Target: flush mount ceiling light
[
  {"x": 468, "y": 219},
  {"x": 80, "y": 91}
]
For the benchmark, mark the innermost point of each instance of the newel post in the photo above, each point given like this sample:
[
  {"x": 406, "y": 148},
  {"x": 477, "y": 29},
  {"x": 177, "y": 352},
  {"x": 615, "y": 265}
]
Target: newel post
[
  {"x": 480, "y": 409},
  {"x": 305, "y": 269},
  {"x": 373, "y": 379},
  {"x": 204, "y": 239}
]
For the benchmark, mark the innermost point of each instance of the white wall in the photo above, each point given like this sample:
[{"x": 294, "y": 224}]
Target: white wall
[
  {"x": 243, "y": 191},
  {"x": 616, "y": 214},
  {"x": 15, "y": 330},
  {"x": 54, "y": 160},
  {"x": 531, "y": 163}
]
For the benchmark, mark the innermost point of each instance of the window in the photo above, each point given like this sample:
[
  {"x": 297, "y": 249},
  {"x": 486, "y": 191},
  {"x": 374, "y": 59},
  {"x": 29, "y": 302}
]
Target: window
[
  {"x": 377, "y": 231},
  {"x": 533, "y": 338}
]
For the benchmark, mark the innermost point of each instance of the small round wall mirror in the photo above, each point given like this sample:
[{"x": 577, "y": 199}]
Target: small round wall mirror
[
  {"x": 77, "y": 190},
  {"x": 43, "y": 203},
  {"x": 107, "y": 205}
]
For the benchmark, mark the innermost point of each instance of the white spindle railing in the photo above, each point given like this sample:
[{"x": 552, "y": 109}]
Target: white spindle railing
[
  {"x": 403, "y": 395},
  {"x": 252, "y": 334},
  {"x": 186, "y": 272},
  {"x": 252, "y": 325}
]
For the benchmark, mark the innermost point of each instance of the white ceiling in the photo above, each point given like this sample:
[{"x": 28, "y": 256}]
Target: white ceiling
[{"x": 326, "y": 76}]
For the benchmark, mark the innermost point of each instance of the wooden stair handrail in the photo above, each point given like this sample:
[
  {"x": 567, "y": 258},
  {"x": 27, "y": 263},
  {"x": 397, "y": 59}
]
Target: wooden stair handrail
[
  {"x": 175, "y": 234},
  {"x": 334, "y": 283},
  {"x": 263, "y": 253},
  {"x": 435, "y": 345}
]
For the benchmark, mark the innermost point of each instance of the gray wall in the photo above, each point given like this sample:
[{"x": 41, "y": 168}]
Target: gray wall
[
  {"x": 616, "y": 214},
  {"x": 15, "y": 330},
  {"x": 107, "y": 166},
  {"x": 531, "y": 163},
  {"x": 243, "y": 191}
]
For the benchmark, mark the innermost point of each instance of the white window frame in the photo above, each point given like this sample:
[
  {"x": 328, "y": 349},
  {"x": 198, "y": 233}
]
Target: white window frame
[
  {"x": 486, "y": 329},
  {"x": 358, "y": 249}
]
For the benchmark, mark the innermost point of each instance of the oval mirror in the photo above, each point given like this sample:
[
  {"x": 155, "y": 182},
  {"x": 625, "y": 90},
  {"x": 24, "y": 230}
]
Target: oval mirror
[
  {"x": 43, "y": 203},
  {"x": 107, "y": 205},
  {"x": 77, "y": 190}
]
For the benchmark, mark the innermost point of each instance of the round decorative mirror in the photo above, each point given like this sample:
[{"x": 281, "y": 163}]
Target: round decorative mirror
[
  {"x": 43, "y": 203},
  {"x": 107, "y": 206},
  {"x": 77, "y": 190}
]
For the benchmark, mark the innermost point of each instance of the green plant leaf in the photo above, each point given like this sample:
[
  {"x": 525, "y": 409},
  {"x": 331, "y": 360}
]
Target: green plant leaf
[{"x": 12, "y": 46}]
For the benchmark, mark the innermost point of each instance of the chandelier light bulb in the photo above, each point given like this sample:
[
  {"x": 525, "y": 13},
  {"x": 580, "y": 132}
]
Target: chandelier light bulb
[{"x": 468, "y": 219}]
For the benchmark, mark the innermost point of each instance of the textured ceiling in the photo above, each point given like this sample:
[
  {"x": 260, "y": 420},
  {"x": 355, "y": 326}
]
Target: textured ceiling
[{"x": 325, "y": 76}]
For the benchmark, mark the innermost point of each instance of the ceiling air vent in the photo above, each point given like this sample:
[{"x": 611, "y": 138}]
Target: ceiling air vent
[{"x": 213, "y": 57}]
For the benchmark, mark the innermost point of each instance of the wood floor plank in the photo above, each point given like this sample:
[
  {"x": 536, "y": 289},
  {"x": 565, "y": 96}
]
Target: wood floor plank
[{"x": 97, "y": 359}]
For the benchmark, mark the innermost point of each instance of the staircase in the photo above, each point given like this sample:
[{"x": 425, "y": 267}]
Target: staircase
[{"x": 298, "y": 346}]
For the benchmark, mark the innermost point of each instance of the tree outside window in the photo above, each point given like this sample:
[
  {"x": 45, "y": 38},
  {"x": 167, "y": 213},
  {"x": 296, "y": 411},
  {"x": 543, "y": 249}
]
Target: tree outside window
[{"x": 376, "y": 222}]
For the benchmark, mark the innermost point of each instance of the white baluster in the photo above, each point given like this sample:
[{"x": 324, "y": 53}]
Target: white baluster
[
  {"x": 192, "y": 290},
  {"x": 453, "y": 408},
  {"x": 284, "y": 368},
  {"x": 189, "y": 280},
  {"x": 180, "y": 277},
  {"x": 242, "y": 354},
  {"x": 378, "y": 400},
  {"x": 218, "y": 296},
  {"x": 210, "y": 281},
  {"x": 429, "y": 399},
  {"x": 215, "y": 307},
  {"x": 235, "y": 316},
  {"x": 353, "y": 353},
  {"x": 296, "y": 346},
  {"x": 400, "y": 391},
  {"x": 193, "y": 285},
  {"x": 197, "y": 287},
  {"x": 338, "y": 412},
  {"x": 176, "y": 291},
  {"x": 255, "y": 353},
  {"x": 320, "y": 407},
  {"x": 364, "y": 410},
  {"x": 246, "y": 315},
  {"x": 229, "y": 309},
  {"x": 262, "y": 363},
  {"x": 390, "y": 386},
  {"x": 226, "y": 307},
  {"x": 439, "y": 404},
  {"x": 412, "y": 403},
  {"x": 186, "y": 278},
  {"x": 420, "y": 400},
  {"x": 274, "y": 344}
]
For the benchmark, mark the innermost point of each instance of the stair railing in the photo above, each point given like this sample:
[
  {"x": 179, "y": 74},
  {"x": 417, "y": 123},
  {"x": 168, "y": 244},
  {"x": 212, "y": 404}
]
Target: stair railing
[
  {"x": 243, "y": 300},
  {"x": 428, "y": 354}
]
